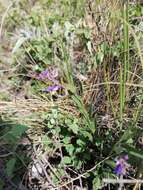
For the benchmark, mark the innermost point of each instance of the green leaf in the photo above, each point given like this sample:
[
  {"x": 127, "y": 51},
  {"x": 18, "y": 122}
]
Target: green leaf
[
  {"x": 100, "y": 56},
  {"x": 78, "y": 150},
  {"x": 80, "y": 142},
  {"x": 133, "y": 151},
  {"x": 87, "y": 134},
  {"x": 87, "y": 33},
  {"x": 66, "y": 140},
  {"x": 92, "y": 126},
  {"x": 52, "y": 121},
  {"x": 130, "y": 141},
  {"x": 10, "y": 166},
  {"x": 68, "y": 121},
  {"x": 67, "y": 160},
  {"x": 49, "y": 125},
  {"x": 70, "y": 149},
  {"x": 46, "y": 140},
  {"x": 74, "y": 128},
  {"x": 89, "y": 47},
  {"x": 77, "y": 163},
  {"x": 97, "y": 183},
  {"x": 111, "y": 163},
  {"x": 18, "y": 130},
  {"x": 127, "y": 135},
  {"x": 55, "y": 113},
  {"x": 58, "y": 130},
  {"x": 15, "y": 133}
]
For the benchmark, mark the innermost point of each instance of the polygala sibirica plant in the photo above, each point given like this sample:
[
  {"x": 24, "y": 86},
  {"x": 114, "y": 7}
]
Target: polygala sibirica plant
[{"x": 122, "y": 165}]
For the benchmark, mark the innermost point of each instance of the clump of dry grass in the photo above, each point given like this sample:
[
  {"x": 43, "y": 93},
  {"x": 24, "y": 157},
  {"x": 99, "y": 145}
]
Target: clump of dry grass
[{"x": 101, "y": 94}]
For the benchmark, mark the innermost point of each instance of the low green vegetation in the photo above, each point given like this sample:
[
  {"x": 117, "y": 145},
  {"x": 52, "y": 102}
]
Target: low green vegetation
[{"x": 71, "y": 94}]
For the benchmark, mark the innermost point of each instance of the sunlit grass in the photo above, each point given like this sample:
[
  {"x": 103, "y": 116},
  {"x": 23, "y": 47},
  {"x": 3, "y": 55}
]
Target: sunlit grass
[{"x": 95, "y": 119}]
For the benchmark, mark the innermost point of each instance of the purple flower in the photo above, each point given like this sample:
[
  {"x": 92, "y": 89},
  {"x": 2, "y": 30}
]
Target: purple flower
[
  {"x": 126, "y": 157},
  {"x": 118, "y": 169},
  {"x": 43, "y": 75},
  {"x": 52, "y": 88},
  {"x": 50, "y": 74},
  {"x": 121, "y": 165}
]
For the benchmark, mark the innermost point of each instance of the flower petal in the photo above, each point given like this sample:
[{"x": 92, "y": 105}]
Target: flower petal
[
  {"x": 50, "y": 74},
  {"x": 52, "y": 88},
  {"x": 118, "y": 169}
]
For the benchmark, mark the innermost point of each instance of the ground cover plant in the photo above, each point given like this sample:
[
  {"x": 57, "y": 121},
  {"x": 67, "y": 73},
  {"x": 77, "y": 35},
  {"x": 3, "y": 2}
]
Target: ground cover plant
[{"x": 71, "y": 94}]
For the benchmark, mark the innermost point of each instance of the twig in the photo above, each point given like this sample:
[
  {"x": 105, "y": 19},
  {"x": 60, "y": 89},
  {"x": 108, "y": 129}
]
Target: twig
[
  {"x": 125, "y": 181},
  {"x": 122, "y": 183},
  {"x": 82, "y": 175},
  {"x": 3, "y": 18},
  {"x": 116, "y": 83},
  {"x": 80, "y": 181},
  {"x": 46, "y": 175},
  {"x": 51, "y": 168},
  {"x": 43, "y": 168},
  {"x": 6, "y": 155}
]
